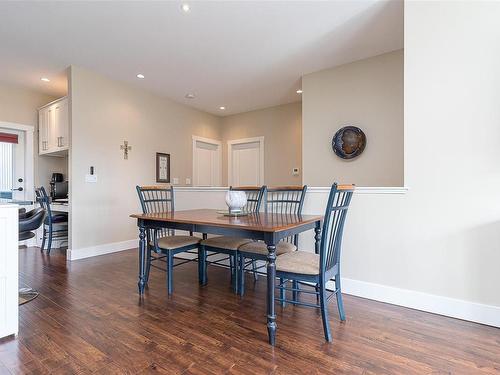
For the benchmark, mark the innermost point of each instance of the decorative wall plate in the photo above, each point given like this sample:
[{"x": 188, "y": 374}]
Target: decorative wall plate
[{"x": 348, "y": 142}]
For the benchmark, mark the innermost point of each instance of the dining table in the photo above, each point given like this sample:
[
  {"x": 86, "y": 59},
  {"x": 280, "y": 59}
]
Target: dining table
[{"x": 267, "y": 227}]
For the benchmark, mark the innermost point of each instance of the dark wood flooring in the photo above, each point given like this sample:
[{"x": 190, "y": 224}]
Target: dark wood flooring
[{"x": 89, "y": 319}]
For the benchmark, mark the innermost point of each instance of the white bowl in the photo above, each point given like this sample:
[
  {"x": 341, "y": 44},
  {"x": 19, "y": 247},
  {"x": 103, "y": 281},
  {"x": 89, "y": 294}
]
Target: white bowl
[{"x": 236, "y": 200}]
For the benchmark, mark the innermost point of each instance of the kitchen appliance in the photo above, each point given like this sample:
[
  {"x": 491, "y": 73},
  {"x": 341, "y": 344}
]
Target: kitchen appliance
[{"x": 58, "y": 187}]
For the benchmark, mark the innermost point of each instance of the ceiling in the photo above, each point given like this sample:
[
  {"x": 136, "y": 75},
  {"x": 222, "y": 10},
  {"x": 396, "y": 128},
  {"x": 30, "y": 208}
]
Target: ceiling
[{"x": 241, "y": 55}]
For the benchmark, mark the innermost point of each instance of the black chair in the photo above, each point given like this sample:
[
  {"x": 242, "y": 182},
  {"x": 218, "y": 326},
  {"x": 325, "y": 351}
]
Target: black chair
[
  {"x": 29, "y": 222},
  {"x": 52, "y": 219},
  {"x": 164, "y": 242},
  {"x": 318, "y": 269},
  {"x": 229, "y": 245},
  {"x": 283, "y": 201}
]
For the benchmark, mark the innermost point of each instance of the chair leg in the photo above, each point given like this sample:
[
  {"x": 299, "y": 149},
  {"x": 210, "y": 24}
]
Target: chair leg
[
  {"x": 338, "y": 294},
  {"x": 201, "y": 265},
  {"x": 170, "y": 269},
  {"x": 282, "y": 292},
  {"x": 49, "y": 245},
  {"x": 295, "y": 293},
  {"x": 236, "y": 273},
  {"x": 254, "y": 269},
  {"x": 324, "y": 312},
  {"x": 231, "y": 268},
  {"x": 148, "y": 263},
  {"x": 43, "y": 239},
  {"x": 317, "y": 292},
  {"x": 241, "y": 275}
]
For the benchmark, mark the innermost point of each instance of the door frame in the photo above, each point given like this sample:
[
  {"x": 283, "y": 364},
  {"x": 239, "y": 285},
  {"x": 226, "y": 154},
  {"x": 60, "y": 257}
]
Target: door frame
[
  {"x": 234, "y": 142},
  {"x": 29, "y": 159},
  {"x": 210, "y": 141}
]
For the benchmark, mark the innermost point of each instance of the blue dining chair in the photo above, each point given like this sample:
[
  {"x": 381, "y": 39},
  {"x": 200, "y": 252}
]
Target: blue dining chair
[
  {"x": 164, "y": 242},
  {"x": 229, "y": 245},
  {"x": 318, "y": 269},
  {"x": 55, "y": 224},
  {"x": 285, "y": 201}
]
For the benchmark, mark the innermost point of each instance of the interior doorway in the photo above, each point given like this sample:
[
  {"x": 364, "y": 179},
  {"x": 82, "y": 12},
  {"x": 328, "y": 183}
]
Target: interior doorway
[
  {"x": 207, "y": 162},
  {"x": 246, "y": 162}
]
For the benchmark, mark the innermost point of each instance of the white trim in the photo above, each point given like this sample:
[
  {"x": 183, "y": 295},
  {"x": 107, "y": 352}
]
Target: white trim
[
  {"x": 365, "y": 190},
  {"x": 201, "y": 188},
  {"x": 29, "y": 159},
  {"x": 219, "y": 156},
  {"x": 313, "y": 189},
  {"x": 92, "y": 251},
  {"x": 229, "y": 157},
  {"x": 455, "y": 308}
]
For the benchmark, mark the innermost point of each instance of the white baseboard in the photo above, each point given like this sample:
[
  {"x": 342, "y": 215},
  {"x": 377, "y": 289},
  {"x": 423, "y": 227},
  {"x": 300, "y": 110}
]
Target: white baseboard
[
  {"x": 455, "y": 308},
  {"x": 92, "y": 251}
]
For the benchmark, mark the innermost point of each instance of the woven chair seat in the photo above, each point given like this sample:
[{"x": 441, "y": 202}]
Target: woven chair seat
[{"x": 259, "y": 247}]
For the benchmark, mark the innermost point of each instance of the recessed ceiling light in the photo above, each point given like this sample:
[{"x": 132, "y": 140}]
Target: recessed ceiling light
[
  {"x": 185, "y": 8},
  {"x": 44, "y": 79},
  {"x": 299, "y": 91},
  {"x": 189, "y": 96},
  {"x": 141, "y": 76},
  {"x": 222, "y": 108}
]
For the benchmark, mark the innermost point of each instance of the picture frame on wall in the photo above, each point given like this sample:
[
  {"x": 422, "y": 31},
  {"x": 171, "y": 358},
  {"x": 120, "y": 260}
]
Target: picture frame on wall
[{"x": 162, "y": 167}]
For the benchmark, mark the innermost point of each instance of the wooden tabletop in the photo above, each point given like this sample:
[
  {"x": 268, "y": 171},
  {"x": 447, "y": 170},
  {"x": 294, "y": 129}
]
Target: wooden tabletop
[{"x": 258, "y": 222}]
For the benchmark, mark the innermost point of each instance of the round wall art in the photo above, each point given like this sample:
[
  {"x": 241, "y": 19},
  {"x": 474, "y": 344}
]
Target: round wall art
[{"x": 348, "y": 142}]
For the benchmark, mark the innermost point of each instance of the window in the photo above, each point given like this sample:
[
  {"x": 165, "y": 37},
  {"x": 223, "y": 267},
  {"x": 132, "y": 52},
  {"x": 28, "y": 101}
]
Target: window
[{"x": 6, "y": 169}]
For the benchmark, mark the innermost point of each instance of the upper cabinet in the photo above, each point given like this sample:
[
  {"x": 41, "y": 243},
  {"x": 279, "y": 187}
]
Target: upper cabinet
[{"x": 53, "y": 128}]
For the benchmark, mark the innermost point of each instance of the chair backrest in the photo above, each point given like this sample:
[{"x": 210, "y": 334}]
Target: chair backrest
[
  {"x": 254, "y": 196},
  {"x": 333, "y": 227},
  {"x": 44, "y": 201},
  {"x": 286, "y": 200},
  {"x": 157, "y": 199}
]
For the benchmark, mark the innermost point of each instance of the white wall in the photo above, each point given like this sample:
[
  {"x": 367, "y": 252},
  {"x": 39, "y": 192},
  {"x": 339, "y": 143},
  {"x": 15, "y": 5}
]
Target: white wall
[
  {"x": 104, "y": 113},
  {"x": 368, "y": 94}
]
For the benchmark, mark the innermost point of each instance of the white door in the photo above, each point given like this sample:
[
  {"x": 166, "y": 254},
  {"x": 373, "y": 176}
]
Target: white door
[
  {"x": 206, "y": 162},
  {"x": 246, "y": 162},
  {"x": 12, "y": 164}
]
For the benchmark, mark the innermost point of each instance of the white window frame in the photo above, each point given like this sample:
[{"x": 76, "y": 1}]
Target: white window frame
[{"x": 29, "y": 161}]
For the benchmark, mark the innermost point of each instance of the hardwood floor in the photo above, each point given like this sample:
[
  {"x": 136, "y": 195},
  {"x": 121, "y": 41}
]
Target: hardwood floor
[{"x": 89, "y": 319}]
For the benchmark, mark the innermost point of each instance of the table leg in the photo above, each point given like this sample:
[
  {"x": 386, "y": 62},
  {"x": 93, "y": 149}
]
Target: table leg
[
  {"x": 271, "y": 277},
  {"x": 142, "y": 258},
  {"x": 202, "y": 263},
  {"x": 317, "y": 237}
]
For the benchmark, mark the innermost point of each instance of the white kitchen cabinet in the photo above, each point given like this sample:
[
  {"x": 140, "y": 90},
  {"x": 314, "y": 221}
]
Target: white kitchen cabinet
[{"x": 53, "y": 127}]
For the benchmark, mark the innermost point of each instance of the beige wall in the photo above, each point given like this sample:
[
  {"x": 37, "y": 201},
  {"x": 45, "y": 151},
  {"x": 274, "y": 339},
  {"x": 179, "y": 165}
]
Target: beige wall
[
  {"x": 442, "y": 237},
  {"x": 367, "y": 94},
  {"x": 104, "y": 114},
  {"x": 281, "y": 127},
  {"x": 19, "y": 105}
]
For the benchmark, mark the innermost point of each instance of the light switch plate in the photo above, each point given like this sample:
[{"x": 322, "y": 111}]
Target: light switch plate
[
  {"x": 188, "y": 181},
  {"x": 91, "y": 178},
  {"x": 175, "y": 180}
]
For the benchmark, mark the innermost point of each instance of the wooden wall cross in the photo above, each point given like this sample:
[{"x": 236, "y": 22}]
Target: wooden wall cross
[{"x": 125, "y": 147}]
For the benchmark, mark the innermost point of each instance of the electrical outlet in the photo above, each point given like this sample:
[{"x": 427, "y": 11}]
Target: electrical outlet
[
  {"x": 188, "y": 181},
  {"x": 295, "y": 171},
  {"x": 175, "y": 181}
]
